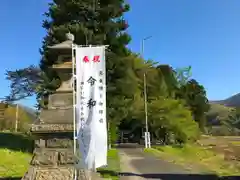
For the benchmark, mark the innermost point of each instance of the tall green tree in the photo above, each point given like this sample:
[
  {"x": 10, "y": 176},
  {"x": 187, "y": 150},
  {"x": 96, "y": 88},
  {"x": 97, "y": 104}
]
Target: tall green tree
[
  {"x": 169, "y": 79},
  {"x": 101, "y": 22},
  {"x": 168, "y": 117},
  {"x": 96, "y": 23},
  {"x": 183, "y": 75},
  {"x": 194, "y": 95}
]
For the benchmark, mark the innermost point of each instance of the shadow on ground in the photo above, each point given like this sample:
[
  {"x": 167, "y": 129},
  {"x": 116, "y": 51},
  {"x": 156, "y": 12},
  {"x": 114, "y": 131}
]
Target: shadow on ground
[
  {"x": 180, "y": 176},
  {"x": 107, "y": 173},
  {"x": 159, "y": 176},
  {"x": 16, "y": 142},
  {"x": 129, "y": 145},
  {"x": 169, "y": 176}
]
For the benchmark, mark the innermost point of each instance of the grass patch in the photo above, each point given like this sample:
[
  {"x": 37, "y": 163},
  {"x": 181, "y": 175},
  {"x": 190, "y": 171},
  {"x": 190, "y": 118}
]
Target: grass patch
[
  {"x": 237, "y": 143},
  {"x": 113, "y": 168},
  {"x": 193, "y": 154},
  {"x": 15, "y": 154},
  {"x": 13, "y": 163}
]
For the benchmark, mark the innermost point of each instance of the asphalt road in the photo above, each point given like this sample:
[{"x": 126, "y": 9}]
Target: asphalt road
[{"x": 135, "y": 164}]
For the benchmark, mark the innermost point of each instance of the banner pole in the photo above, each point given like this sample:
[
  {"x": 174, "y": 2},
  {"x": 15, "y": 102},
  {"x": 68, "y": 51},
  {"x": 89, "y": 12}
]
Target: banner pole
[{"x": 74, "y": 110}]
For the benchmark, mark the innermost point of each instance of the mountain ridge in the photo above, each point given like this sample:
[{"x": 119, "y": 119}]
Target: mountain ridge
[{"x": 232, "y": 101}]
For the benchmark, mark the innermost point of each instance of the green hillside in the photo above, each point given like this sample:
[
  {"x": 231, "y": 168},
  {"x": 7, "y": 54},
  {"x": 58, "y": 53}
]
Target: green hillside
[
  {"x": 233, "y": 101},
  {"x": 221, "y": 109},
  {"x": 222, "y": 120},
  {"x": 220, "y": 112}
]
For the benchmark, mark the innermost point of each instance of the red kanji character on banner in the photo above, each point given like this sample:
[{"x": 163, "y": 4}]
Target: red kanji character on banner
[
  {"x": 96, "y": 59},
  {"x": 86, "y": 59}
]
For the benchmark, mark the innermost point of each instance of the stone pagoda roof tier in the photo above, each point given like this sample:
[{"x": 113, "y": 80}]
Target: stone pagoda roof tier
[
  {"x": 63, "y": 45},
  {"x": 66, "y": 65}
]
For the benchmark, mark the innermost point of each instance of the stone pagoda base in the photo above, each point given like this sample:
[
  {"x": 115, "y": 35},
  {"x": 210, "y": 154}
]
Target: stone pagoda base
[
  {"x": 39, "y": 173},
  {"x": 53, "y": 157}
]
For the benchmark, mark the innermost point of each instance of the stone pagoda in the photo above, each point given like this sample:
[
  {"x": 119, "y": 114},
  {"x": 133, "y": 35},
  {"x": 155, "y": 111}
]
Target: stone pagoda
[{"x": 53, "y": 157}]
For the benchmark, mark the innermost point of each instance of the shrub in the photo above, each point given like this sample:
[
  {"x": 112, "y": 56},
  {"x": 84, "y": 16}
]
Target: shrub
[{"x": 174, "y": 119}]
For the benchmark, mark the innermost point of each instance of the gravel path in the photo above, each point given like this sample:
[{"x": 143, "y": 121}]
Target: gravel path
[{"x": 137, "y": 165}]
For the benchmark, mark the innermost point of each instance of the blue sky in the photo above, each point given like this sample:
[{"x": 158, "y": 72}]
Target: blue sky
[{"x": 202, "y": 33}]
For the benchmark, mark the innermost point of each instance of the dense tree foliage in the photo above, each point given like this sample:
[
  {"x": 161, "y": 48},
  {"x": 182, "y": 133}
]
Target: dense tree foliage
[
  {"x": 234, "y": 118},
  {"x": 177, "y": 105},
  {"x": 223, "y": 120},
  {"x": 195, "y": 97},
  {"x": 169, "y": 117}
]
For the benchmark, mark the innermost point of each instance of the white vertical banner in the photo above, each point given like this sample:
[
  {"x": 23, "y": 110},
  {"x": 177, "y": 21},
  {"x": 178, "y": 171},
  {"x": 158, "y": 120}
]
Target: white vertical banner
[{"x": 91, "y": 106}]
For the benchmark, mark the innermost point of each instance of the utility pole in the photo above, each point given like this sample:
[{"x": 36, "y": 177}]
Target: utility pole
[
  {"x": 16, "y": 119},
  {"x": 147, "y": 135}
]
